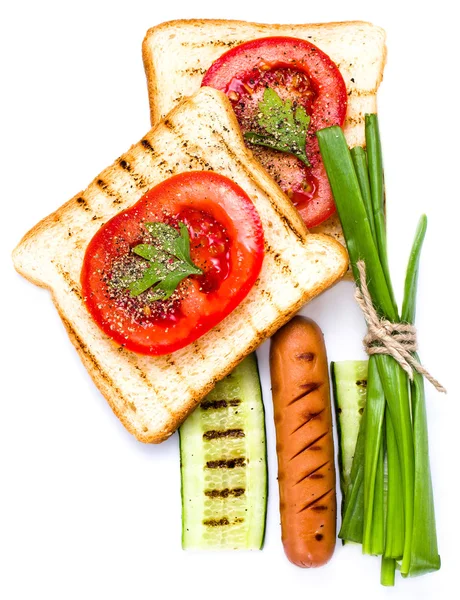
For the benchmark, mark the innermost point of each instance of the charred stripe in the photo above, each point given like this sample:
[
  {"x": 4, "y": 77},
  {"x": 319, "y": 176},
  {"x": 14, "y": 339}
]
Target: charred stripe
[
  {"x": 224, "y": 521},
  {"x": 136, "y": 177},
  {"x": 223, "y": 463},
  {"x": 216, "y": 434},
  {"x": 117, "y": 199},
  {"x": 216, "y": 404},
  {"x": 235, "y": 492},
  {"x": 148, "y": 146}
]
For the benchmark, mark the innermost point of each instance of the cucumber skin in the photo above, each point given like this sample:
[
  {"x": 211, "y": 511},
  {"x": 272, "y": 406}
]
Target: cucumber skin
[
  {"x": 253, "y": 357},
  {"x": 342, "y": 435},
  {"x": 252, "y": 364}
]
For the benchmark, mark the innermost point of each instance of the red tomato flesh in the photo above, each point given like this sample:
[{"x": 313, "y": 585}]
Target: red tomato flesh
[
  {"x": 299, "y": 71},
  {"x": 226, "y": 243}
]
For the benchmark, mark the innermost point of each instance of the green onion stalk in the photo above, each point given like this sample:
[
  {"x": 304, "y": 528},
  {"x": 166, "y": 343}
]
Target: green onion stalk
[{"x": 389, "y": 507}]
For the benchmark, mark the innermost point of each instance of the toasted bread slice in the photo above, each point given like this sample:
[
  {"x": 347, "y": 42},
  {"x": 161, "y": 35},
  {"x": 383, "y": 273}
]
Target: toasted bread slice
[
  {"x": 153, "y": 395},
  {"x": 178, "y": 53}
]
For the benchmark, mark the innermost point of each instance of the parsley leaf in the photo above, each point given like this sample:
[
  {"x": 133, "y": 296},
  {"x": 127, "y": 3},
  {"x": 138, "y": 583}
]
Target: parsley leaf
[
  {"x": 169, "y": 259},
  {"x": 285, "y": 126}
]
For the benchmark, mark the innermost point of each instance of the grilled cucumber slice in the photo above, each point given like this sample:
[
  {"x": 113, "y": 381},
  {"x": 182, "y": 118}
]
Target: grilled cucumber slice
[
  {"x": 349, "y": 380},
  {"x": 224, "y": 466}
]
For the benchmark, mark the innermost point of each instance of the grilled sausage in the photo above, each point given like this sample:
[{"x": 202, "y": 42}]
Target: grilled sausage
[{"x": 303, "y": 421}]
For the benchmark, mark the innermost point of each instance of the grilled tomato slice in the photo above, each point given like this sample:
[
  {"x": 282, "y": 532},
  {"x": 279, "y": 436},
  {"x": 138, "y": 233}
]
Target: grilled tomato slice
[{"x": 162, "y": 273}]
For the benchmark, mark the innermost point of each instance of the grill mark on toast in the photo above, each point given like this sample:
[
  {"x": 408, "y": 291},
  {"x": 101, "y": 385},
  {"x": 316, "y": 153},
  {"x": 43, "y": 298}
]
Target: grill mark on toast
[
  {"x": 361, "y": 93},
  {"x": 148, "y": 147},
  {"x": 194, "y": 158},
  {"x": 212, "y": 43},
  {"x": 225, "y": 493},
  {"x": 286, "y": 269},
  {"x": 223, "y": 463},
  {"x": 75, "y": 289},
  {"x": 108, "y": 191},
  {"x": 216, "y": 434},
  {"x": 354, "y": 121},
  {"x": 92, "y": 359},
  {"x": 268, "y": 295},
  {"x": 172, "y": 363},
  {"x": 136, "y": 177},
  {"x": 176, "y": 130},
  {"x": 193, "y": 71},
  {"x": 83, "y": 203},
  {"x": 196, "y": 348},
  {"x": 73, "y": 285}
]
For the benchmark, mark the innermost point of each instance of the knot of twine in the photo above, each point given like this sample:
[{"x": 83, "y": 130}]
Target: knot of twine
[{"x": 399, "y": 340}]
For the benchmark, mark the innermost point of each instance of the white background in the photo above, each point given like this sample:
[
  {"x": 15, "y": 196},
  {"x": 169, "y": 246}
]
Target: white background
[{"x": 89, "y": 512}]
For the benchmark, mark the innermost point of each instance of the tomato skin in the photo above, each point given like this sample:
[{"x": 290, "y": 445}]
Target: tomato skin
[
  {"x": 199, "y": 199},
  {"x": 249, "y": 62}
]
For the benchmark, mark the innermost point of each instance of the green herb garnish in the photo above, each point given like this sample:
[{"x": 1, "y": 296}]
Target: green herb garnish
[
  {"x": 169, "y": 258},
  {"x": 285, "y": 126}
]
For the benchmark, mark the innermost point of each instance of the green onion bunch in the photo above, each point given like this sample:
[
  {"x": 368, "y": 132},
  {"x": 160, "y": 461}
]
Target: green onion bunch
[{"x": 388, "y": 506}]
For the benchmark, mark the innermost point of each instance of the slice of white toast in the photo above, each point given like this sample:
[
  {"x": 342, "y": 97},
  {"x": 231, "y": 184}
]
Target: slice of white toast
[
  {"x": 178, "y": 53},
  {"x": 153, "y": 395}
]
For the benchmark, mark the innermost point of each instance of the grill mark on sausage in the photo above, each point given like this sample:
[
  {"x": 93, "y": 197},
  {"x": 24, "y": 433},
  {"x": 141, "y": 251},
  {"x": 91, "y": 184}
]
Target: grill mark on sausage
[
  {"x": 216, "y": 434},
  {"x": 225, "y": 493},
  {"x": 136, "y": 177},
  {"x": 312, "y": 474},
  {"x": 312, "y": 416},
  {"x": 308, "y": 356},
  {"x": 224, "y": 463},
  {"x": 310, "y": 445},
  {"x": 310, "y": 387},
  {"x": 313, "y": 504},
  {"x": 104, "y": 186}
]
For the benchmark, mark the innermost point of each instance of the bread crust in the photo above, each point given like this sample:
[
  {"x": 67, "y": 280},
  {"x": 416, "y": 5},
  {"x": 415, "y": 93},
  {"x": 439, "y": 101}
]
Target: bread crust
[{"x": 50, "y": 255}]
